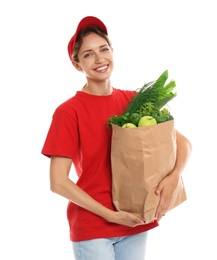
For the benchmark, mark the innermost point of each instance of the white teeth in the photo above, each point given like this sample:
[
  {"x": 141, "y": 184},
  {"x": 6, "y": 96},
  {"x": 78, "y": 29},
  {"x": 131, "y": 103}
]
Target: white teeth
[{"x": 102, "y": 68}]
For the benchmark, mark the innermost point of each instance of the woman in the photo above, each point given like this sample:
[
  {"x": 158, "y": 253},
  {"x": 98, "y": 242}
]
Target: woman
[{"x": 79, "y": 136}]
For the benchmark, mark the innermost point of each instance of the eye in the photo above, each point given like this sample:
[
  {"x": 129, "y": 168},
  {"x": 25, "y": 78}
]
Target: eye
[
  {"x": 88, "y": 54},
  {"x": 104, "y": 49}
]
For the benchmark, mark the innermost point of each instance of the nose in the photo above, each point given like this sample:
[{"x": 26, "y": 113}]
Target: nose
[{"x": 99, "y": 58}]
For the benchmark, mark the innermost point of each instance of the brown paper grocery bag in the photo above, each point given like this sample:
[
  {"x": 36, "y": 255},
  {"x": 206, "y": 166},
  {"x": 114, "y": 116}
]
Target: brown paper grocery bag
[{"x": 141, "y": 157}]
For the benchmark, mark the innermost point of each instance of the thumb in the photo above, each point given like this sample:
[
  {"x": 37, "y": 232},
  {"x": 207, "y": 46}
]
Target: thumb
[
  {"x": 139, "y": 222},
  {"x": 158, "y": 190}
]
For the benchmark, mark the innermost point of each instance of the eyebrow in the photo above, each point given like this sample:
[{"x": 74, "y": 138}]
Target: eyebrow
[{"x": 99, "y": 48}]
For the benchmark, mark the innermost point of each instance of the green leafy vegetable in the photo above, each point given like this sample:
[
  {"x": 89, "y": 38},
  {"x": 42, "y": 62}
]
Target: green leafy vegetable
[{"x": 149, "y": 100}]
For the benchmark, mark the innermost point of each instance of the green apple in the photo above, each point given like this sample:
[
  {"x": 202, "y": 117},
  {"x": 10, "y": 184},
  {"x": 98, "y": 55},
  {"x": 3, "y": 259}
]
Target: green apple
[
  {"x": 134, "y": 118},
  {"x": 147, "y": 121},
  {"x": 129, "y": 125}
]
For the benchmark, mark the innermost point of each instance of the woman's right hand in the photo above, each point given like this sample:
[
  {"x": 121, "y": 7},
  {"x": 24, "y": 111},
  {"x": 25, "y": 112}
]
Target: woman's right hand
[{"x": 126, "y": 218}]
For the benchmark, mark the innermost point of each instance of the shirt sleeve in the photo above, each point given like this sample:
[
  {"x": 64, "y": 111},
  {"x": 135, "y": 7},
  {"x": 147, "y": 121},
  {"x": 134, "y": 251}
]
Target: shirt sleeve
[{"x": 62, "y": 137}]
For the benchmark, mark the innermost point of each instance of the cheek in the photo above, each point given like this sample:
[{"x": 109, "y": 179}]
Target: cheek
[
  {"x": 83, "y": 65},
  {"x": 110, "y": 57}
]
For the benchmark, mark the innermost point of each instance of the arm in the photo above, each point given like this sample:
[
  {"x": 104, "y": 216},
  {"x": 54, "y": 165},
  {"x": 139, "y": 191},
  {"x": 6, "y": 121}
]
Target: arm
[
  {"x": 62, "y": 185},
  {"x": 168, "y": 185}
]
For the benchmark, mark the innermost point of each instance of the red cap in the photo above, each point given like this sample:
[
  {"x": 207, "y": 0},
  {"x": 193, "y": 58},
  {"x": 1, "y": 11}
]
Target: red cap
[{"x": 84, "y": 23}]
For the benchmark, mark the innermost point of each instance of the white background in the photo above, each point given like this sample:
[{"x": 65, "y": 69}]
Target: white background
[{"x": 36, "y": 75}]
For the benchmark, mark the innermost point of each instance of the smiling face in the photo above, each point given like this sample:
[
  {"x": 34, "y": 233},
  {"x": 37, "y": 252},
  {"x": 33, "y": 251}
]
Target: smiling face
[{"x": 95, "y": 58}]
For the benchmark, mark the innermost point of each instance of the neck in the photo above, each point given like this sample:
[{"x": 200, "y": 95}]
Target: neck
[{"x": 98, "y": 90}]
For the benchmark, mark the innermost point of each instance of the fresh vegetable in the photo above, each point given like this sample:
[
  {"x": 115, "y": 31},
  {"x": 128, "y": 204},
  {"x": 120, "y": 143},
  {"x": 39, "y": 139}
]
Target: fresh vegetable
[
  {"x": 134, "y": 118},
  {"x": 150, "y": 100}
]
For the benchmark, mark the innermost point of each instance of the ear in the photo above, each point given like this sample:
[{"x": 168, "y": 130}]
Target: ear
[{"x": 76, "y": 65}]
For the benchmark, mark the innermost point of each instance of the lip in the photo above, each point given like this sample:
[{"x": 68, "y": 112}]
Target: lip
[{"x": 102, "y": 68}]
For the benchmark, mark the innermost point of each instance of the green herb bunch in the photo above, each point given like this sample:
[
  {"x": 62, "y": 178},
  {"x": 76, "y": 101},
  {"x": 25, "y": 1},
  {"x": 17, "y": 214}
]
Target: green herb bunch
[{"x": 149, "y": 100}]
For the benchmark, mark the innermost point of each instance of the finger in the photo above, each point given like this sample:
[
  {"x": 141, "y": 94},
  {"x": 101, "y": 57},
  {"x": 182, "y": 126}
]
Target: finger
[{"x": 139, "y": 224}]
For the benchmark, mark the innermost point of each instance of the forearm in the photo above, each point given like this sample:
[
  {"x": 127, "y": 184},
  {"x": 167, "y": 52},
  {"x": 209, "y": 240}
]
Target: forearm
[
  {"x": 74, "y": 193},
  {"x": 168, "y": 185},
  {"x": 61, "y": 184},
  {"x": 184, "y": 149}
]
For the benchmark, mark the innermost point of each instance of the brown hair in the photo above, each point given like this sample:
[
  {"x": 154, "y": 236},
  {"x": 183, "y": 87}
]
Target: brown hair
[{"x": 84, "y": 33}]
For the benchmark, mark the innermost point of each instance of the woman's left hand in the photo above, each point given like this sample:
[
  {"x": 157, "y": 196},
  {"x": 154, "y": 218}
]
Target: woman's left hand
[{"x": 165, "y": 190}]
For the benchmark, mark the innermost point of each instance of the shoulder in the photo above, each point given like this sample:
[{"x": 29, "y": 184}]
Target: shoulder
[
  {"x": 124, "y": 93},
  {"x": 67, "y": 107},
  {"x": 72, "y": 102}
]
